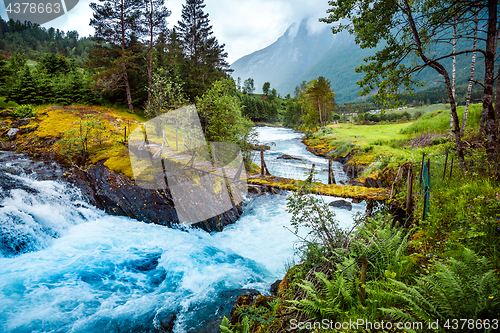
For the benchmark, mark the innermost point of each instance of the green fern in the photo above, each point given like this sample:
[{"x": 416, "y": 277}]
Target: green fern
[
  {"x": 467, "y": 287},
  {"x": 329, "y": 302},
  {"x": 226, "y": 327}
]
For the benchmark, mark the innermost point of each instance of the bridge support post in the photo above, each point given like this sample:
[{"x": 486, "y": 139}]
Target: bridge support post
[
  {"x": 331, "y": 176},
  {"x": 263, "y": 167}
]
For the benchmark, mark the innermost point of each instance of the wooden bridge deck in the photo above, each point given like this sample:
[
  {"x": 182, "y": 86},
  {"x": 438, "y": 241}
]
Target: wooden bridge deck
[{"x": 342, "y": 191}]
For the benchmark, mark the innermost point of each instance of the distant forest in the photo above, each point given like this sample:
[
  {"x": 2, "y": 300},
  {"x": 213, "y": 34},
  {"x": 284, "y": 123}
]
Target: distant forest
[{"x": 34, "y": 41}]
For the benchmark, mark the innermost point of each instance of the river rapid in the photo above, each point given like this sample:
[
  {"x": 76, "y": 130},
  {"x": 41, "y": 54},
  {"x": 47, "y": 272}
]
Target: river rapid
[{"x": 66, "y": 266}]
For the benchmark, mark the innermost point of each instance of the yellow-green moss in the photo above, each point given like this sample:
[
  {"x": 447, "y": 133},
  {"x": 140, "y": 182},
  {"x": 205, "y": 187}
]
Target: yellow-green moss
[{"x": 343, "y": 191}]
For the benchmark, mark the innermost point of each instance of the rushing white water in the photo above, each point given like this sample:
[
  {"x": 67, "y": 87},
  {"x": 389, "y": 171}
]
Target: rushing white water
[
  {"x": 285, "y": 141},
  {"x": 66, "y": 266}
]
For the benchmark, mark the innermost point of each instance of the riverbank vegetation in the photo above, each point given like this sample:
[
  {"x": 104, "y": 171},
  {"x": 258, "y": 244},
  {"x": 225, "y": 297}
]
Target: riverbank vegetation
[{"x": 428, "y": 259}]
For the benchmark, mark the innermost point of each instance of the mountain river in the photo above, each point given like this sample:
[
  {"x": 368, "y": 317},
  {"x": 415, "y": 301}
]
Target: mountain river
[{"x": 66, "y": 266}]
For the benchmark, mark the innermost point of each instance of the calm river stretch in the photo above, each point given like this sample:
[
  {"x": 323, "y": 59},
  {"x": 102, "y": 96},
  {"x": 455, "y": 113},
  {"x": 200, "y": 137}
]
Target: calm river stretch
[{"x": 66, "y": 266}]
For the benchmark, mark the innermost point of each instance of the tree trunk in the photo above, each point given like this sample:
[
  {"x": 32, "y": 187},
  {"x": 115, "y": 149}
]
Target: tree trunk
[
  {"x": 320, "y": 116},
  {"x": 150, "y": 60},
  {"x": 453, "y": 78},
  {"x": 472, "y": 68},
  {"x": 497, "y": 94},
  {"x": 125, "y": 74},
  {"x": 490, "y": 125},
  {"x": 441, "y": 70}
]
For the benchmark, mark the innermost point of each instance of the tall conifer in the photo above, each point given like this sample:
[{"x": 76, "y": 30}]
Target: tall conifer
[
  {"x": 115, "y": 22},
  {"x": 206, "y": 57}
]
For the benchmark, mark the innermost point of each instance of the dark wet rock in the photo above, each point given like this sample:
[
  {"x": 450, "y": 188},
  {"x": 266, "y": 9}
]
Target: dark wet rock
[
  {"x": 167, "y": 323},
  {"x": 288, "y": 157},
  {"x": 5, "y": 113},
  {"x": 355, "y": 182},
  {"x": 223, "y": 305},
  {"x": 12, "y": 133},
  {"x": 275, "y": 287},
  {"x": 258, "y": 189},
  {"x": 117, "y": 194},
  {"x": 343, "y": 204},
  {"x": 21, "y": 122},
  {"x": 370, "y": 182},
  {"x": 356, "y": 200},
  {"x": 29, "y": 129}
]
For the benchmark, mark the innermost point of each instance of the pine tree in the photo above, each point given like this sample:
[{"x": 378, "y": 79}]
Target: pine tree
[
  {"x": 5, "y": 75},
  {"x": 115, "y": 22},
  {"x": 206, "y": 57},
  {"x": 154, "y": 23},
  {"x": 25, "y": 91}
]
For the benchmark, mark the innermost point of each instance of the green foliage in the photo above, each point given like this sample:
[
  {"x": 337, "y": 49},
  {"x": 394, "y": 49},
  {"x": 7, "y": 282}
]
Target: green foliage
[
  {"x": 77, "y": 142},
  {"x": 260, "y": 315},
  {"x": 335, "y": 293},
  {"x": 165, "y": 94},
  {"x": 439, "y": 141},
  {"x": 260, "y": 109},
  {"x": 23, "y": 111},
  {"x": 439, "y": 121},
  {"x": 53, "y": 64},
  {"x": 220, "y": 114},
  {"x": 318, "y": 102},
  {"x": 205, "y": 57},
  {"x": 465, "y": 287},
  {"x": 248, "y": 86},
  {"x": 310, "y": 212},
  {"x": 35, "y": 41},
  {"x": 25, "y": 88},
  {"x": 244, "y": 327},
  {"x": 344, "y": 147},
  {"x": 265, "y": 88},
  {"x": 5, "y": 74},
  {"x": 335, "y": 297}
]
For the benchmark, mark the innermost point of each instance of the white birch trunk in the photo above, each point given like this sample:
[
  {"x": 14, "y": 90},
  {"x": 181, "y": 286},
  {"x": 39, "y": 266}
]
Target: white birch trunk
[
  {"x": 453, "y": 75},
  {"x": 472, "y": 67}
]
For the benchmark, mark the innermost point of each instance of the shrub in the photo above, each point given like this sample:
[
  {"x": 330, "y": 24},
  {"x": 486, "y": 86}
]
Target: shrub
[
  {"x": 417, "y": 115},
  {"x": 439, "y": 141},
  {"x": 23, "y": 111}
]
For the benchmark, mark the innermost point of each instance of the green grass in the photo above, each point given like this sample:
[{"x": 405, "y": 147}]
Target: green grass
[
  {"x": 424, "y": 109},
  {"x": 384, "y": 145},
  {"x": 436, "y": 122}
]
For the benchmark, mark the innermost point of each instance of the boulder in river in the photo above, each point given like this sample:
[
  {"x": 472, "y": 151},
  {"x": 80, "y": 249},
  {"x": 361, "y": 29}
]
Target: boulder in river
[
  {"x": 288, "y": 157},
  {"x": 343, "y": 204}
]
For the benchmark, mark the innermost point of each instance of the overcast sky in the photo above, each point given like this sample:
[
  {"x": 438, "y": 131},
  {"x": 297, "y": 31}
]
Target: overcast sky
[{"x": 244, "y": 26}]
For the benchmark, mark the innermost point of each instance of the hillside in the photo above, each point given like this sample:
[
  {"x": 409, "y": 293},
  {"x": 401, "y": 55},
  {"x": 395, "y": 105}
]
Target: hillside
[{"x": 300, "y": 55}]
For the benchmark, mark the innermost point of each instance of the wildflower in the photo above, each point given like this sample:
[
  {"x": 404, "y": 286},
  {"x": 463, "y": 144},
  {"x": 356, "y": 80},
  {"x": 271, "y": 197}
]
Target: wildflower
[{"x": 491, "y": 297}]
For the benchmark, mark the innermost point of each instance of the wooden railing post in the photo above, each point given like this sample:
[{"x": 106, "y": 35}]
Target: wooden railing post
[
  {"x": 409, "y": 198},
  {"x": 262, "y": 162},
  {"x": 331, "y": 176}
]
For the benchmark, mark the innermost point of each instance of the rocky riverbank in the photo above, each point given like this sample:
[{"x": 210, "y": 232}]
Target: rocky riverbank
[{"x": 106, "y": 180}]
